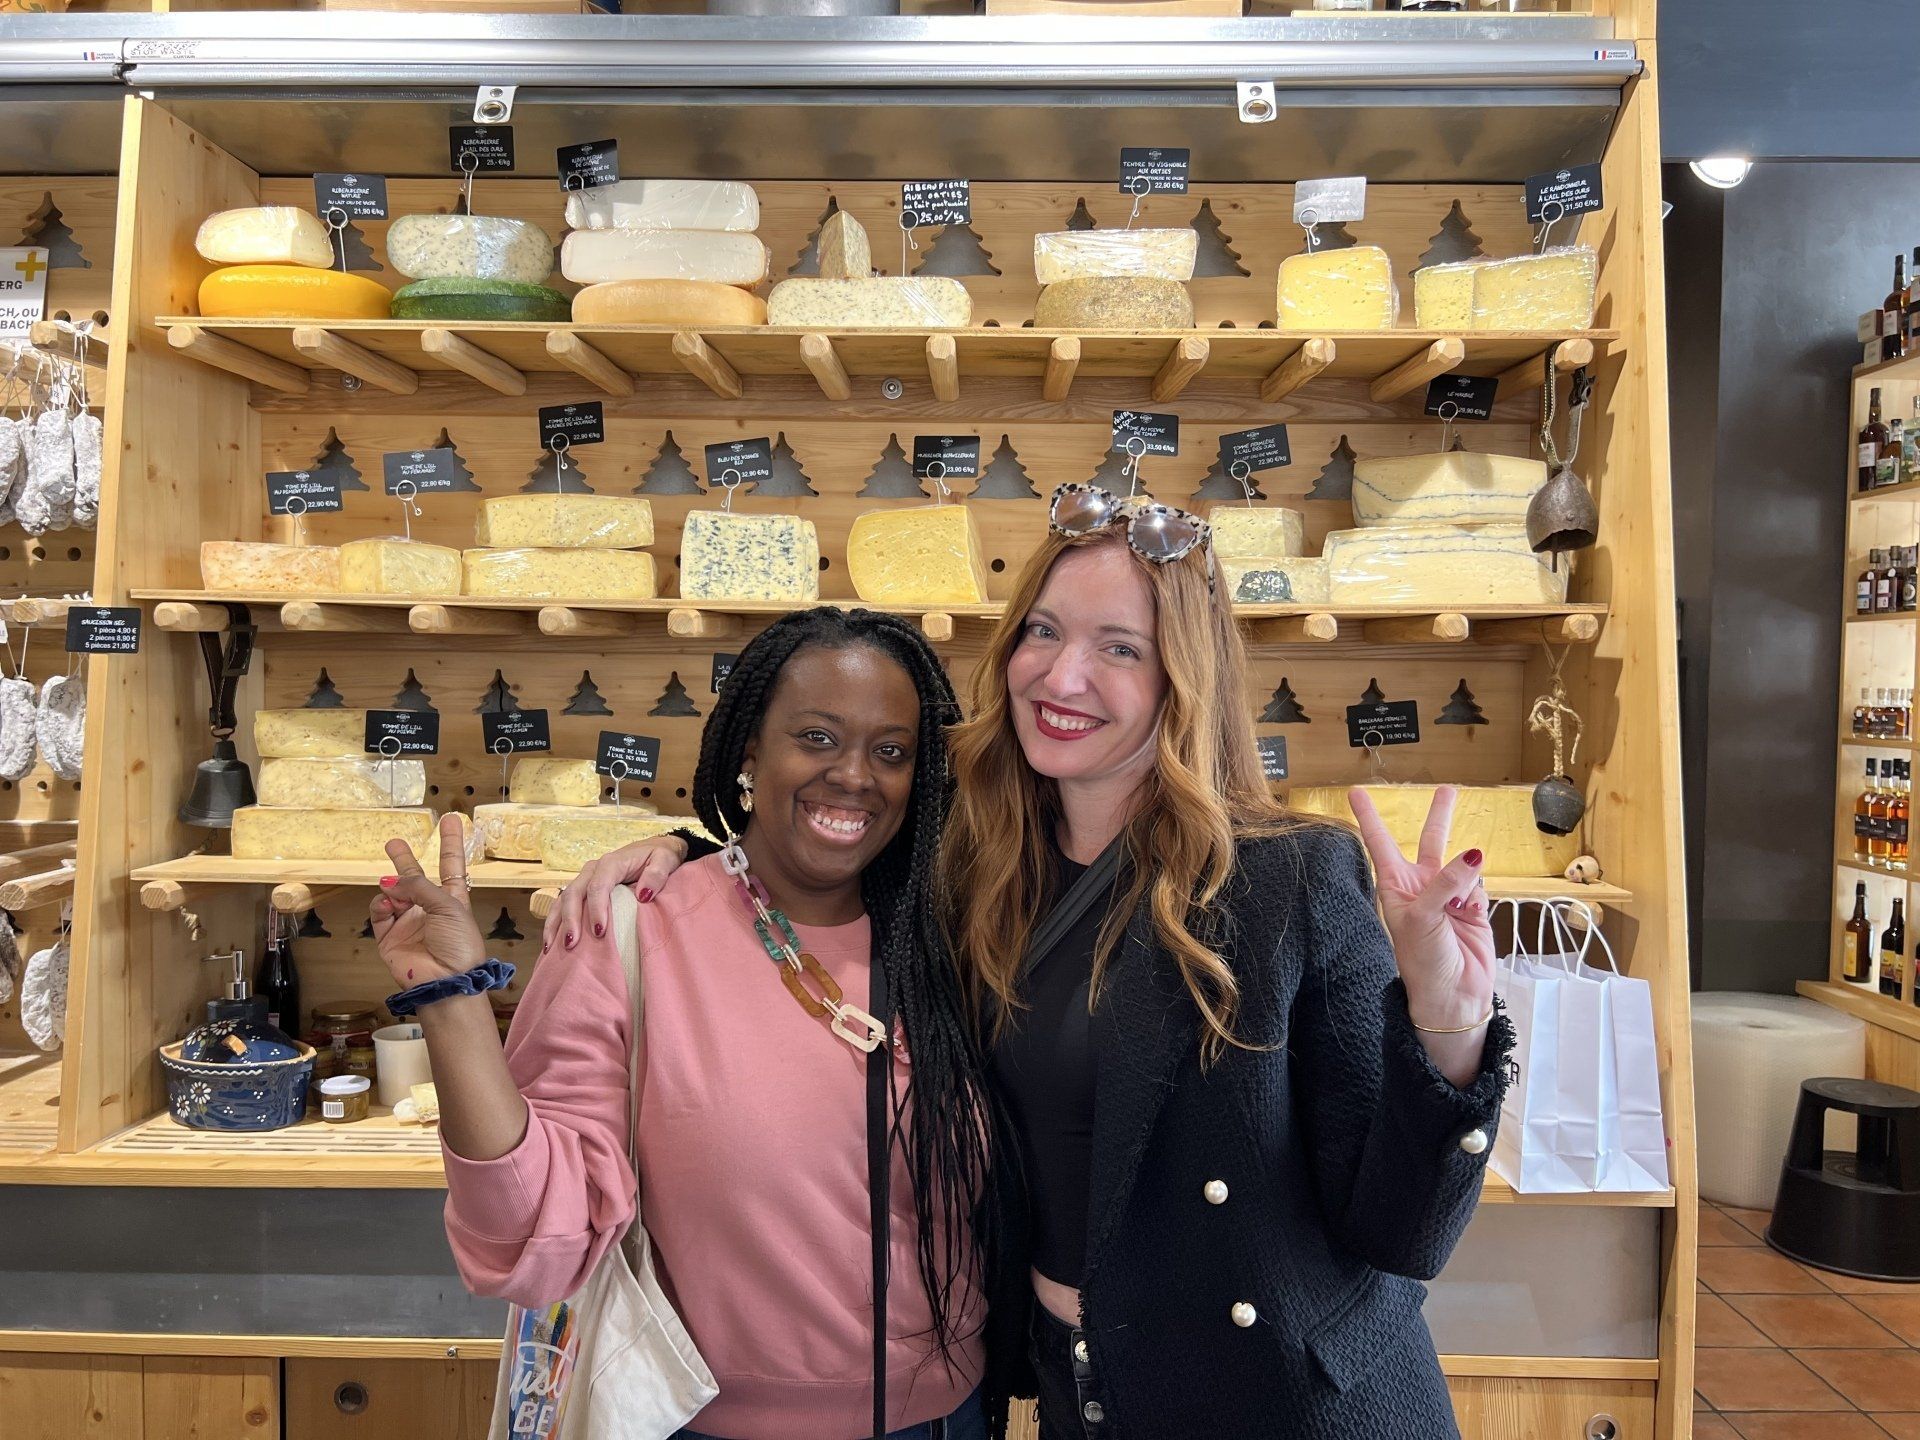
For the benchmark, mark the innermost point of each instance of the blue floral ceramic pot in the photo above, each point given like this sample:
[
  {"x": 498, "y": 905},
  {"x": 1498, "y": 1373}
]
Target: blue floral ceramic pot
[{"x": 263, "y": 1091}]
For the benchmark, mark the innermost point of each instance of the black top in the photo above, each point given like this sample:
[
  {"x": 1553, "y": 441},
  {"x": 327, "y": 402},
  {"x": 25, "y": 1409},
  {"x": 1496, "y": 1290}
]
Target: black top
[{"x": 1044, "y": 1063}]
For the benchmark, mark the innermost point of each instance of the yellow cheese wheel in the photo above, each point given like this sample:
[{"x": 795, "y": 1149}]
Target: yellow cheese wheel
[
  {"x": 668, "y": 302},
  {"x": 291, "y": 292}
]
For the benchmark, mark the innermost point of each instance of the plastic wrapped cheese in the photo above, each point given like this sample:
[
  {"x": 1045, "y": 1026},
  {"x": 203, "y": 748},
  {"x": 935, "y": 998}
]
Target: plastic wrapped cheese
[
  {"x": 535, "y": 574},
  {"x": 1440, "y": 566},
  {"x": 843, "y": 249},
  {"x": 1242, "y": 529},
  {"x": 291, "y": 292},
  {"x": 306, "y": 732},
  {"x": 1088, "y": 254},
  {"x": 923, "y": 555},
  {"x": 598, "y": 522},
  {"x": 554, "y": 780},
  {"x": 1275, "y": 579},
  {"x": 392, "y": 566},
  {"x": 1114, "y": 302},
  {"x": 568, "y": 842},
  {"x": 1443, "y": 296},
  {"x": 512, "y": 832},
  {"x": 665, "y": 205},
  {"x": 474, "y": 247},
  {"x": 667, "y": 302},
  {"x": 1497, "y": 820},
  {"x": 364, "y": 783},
  {"x": 271, "y": 569},
  {"x": 883, "y": 302},
  {"x": 1553, "y": 291},
  {"x": 1454, "y": 487},
  {"x": 273, "y": 832},
  {"x": 459, "y": 298},
  {"x": 593, "y": 257},
  {"x": 725, "y": 556},
  {"x": 265, "y": 235},
  {"x": 1350, "y": 289}
]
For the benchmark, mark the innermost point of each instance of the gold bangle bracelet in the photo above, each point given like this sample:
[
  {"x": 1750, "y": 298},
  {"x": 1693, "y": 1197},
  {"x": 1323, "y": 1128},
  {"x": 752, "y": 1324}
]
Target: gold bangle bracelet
[{"x": 1453, "y": 1029}]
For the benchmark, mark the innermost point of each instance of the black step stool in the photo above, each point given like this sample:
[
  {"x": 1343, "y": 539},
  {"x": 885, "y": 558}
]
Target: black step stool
[{"x": 1858, "y": 1212}]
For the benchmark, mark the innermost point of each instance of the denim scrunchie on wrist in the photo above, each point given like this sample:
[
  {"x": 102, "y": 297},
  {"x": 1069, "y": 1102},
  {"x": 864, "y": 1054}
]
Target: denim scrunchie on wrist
[{"x": 491, "y": 975}]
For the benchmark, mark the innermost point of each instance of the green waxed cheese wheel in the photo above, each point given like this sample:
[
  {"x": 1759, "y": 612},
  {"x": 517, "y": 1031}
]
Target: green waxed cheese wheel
[{"x": 460, "y": 299}]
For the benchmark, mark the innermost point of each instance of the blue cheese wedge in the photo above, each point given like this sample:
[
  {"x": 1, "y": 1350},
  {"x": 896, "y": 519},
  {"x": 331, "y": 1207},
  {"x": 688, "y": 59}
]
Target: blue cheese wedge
[
  {"x": 1454, "y": 487},
  {"x": 748, "y": 557},
  {"x": 1442, "y": 566}
]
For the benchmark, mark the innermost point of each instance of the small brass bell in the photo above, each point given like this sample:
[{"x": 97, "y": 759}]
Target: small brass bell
[
  {"x": 1558, "y": 805},
  {"x": 1562, "y": 516}
]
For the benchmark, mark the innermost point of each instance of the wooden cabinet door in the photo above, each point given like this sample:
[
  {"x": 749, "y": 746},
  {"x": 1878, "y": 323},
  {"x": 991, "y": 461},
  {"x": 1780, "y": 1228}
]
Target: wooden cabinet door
[
  {"x": 70, "y": 1397},
  {"x": 389, "y": 1399}
]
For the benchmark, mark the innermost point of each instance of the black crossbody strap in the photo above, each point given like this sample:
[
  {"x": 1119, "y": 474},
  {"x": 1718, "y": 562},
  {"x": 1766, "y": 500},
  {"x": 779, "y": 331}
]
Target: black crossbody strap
[
  {"x": 1084, "y": 893},
  {"x": 880, "y": 1185}
]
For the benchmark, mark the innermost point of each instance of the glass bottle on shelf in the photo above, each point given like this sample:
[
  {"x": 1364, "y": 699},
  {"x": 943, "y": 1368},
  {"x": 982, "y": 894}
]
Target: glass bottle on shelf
[
  {"x": 1902, "y": 714},
  {"x": 1910, "y": 437},
  {"x": 1863, "y": 814},
  {"x": 1856, "y": 954},
  {"x": 1893, "y": 952},
  {"x": 1880, "y": 724},
  {"x": 1896, "y": 301},
  {"x": 1867, "y": 585},
  {"x": 1897, "y": 809},
  {"x": 1909, "y": 584},
  {"x": 279, "y": 981},
  {"x": 1886, "y": 467},
  {"x": 1879, "y": 804},
  {"x": 1886, "y": 586},
  {"x": 1862, "y": 711},
  {"x": 1873, "y": 436}
]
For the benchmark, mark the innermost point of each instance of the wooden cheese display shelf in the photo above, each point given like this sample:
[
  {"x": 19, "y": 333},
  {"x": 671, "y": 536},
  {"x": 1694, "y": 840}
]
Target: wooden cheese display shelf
[
  {"x": 392, "y": 355},
  {"x": 29, "y": 1102}
]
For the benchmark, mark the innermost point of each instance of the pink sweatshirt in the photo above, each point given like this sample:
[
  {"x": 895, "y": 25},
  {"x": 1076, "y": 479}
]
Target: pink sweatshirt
[{"x": 752, "y": 1157}]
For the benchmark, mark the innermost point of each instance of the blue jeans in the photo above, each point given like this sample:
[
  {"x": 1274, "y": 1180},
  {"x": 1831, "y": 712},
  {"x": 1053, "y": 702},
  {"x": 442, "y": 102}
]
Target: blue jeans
[{"x": 969, "y": 1422}]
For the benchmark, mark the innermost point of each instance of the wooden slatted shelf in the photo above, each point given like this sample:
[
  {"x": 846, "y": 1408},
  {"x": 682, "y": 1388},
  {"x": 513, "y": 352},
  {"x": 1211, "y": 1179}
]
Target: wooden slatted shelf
[
  {"x": 29, "y": 1102},
  {"x": 1868, "y": 1004}
]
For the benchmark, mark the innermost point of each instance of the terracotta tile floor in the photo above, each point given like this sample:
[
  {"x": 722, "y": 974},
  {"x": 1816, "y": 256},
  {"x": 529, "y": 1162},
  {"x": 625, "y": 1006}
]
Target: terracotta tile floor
[{"x": 1787, "y": 1352}]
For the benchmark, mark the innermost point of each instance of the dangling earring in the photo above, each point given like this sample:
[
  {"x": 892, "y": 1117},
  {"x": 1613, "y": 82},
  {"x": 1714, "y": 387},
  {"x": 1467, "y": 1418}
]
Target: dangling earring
[{"x": 746, "y": 792}]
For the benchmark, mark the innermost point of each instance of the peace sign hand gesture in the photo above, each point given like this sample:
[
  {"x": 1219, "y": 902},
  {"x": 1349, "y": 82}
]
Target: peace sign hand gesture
[
  {"x": 426, "y": 931},
  {"x": 1436, "y": 915}
]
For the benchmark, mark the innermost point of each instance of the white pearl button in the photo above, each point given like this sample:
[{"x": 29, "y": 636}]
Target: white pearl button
[
  {"x": 1216, "y": 1192},
  {"x": 1474, "y": 1141},
  {"x": 1244, "y": 1314},
  {"x": 1094, "y": 1412},
  {"x": 1080, "y": 1351}
]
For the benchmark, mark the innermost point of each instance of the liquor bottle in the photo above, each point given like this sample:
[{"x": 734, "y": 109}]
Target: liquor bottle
[
  {"x": 1873, "y": 437},
  {"x": 1902, "y": 714},
  {"x": 1856, "y": 954},
  {"x": 1910, "y": 436},
  {"x": 1860, "y": 712},
  {"x": 1911, "y": 321},
  {"x": 1886, "y": 589},
  {"x": 1909, "y": 581},
  {"x": 1893, "y": 952},
  {"x": 1879, "y": 806},
  {"x": 279, "y": 982},
  {"x": 1863, "y": 814},
  {"x": 1882, "y": 727},
  {"x": 1897, "y": 811},
  {"x": 1896, "y": 301},
  {"x": 1886, "y": 469},
  {"x": 1864, "y": 587}
]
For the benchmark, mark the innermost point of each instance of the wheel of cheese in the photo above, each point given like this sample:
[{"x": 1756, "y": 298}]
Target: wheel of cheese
[
  {"x": 477, "y": 247},
  {"x": 291, "y": 292},
  {"x": 463, "y": 299},
  {"x": 668, "y": 302}
]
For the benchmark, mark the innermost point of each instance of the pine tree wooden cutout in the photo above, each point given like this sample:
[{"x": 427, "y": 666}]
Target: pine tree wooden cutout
[
  {"x": 1453, "y": 242},
  {"x": 334, "y": 462},
  {"x": 1112, "y": 473},
  {"x": 1335, "y": 481},
  {"x": 1284, "y": 708},
  {"x": 311, "y": 928},
  {"x": 48, "y": 229},
  {"x": 1214, "y": 255},
  {"x": 1332, "y": 235},
  {"x": 673, "y": 700},
  {"x": 323, "y": 696},
  {"x": 808, "y": 262},
  {"x": 955, "y": 251},
  {"x": 462, "y": 476},
  {"x": 499, "y": 698},
  {"x": 788, "y": 480},
  {"x": 1461, "y": 708},
  {"x": 1005, "y": 478},
  {"x": 547, "y": 478},
  {"x": 411, "y": 695},
  {"x": 586, "y": 698},
  {"x": 1219, "y": 485},
  {"x": 359, "y": 257},
  {"x": 504, "y": 928},
  {"x": 669, "y": 474},
  {"x": 1082, "y": 218},
  {"x": 892, "y": 477},
  {"x": 1373, "y": 694}
]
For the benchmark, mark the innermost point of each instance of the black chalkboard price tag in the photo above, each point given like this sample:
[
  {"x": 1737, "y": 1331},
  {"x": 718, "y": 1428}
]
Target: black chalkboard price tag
[
  {"x": 1159, "y": 433},
  {"x": 722, "y": 668},
  {"x": 103, "y": 629},
  {"x": 1390, "y": 722},
  {"x": 751, "y": 462},
  {"x": 597, "y": 162},
  {"x": 1144, "y": 170},
  {"x": 937, "y": 202},
  {"x": 584, "y": 422},
  {"x": 1262, "y": 449},
  {"x": 1469, "y": 396},
  {"x": 1571, "y": 190},
  {"x": 416, "y": 732},
  {"x": 627, "y": 757},
  {"x": 1273, "y": 756},
  {"x": 959, "y": 455},
  {"x": 358, "y": 197},
  {"x": 491, "y": 147},
  {"x": 423, "y": 469},
  {"x": 306, "y": 491},
  {"x": 512, "y": 732}
]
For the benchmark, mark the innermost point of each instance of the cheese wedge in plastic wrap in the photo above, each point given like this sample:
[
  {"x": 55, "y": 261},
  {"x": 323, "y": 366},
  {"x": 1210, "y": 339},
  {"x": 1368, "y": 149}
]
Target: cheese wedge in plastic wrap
[
  {"x": 1552, "y": 291},
  {"x": 365, "y": 783},
  {"x": 393, "y": 566},
  {"x": 1114, "y": 302},
  {"x": 923, "y": 555},
  {"x": 272, "y": 569},
  {"x": 1274, "y": 579},
  {"x": 554, "y": 780},
  {"x": 292, "y": 292},
  {"x": 665, "y": 205},
  {"x": 1443, "y": 296},
  {"x": 881, "y": 302},
  {"x": 1441, "y": 566},
  {"x": 568, "y": 842},
  {"x": 748, "y": 557},
  {"x": 844, "y": 251},
  {"x": 667, "y": 302},
  {"x": 557, "y": 522},
  {"x": 1454, "y": 487},
  {"x": 534, "y": 574},
  {"x": 1495, "y": 819},
  {"x": 310, "y": 733},
  {"x": 594, "y": 257},
  {"x": 474, "y": 247},
  {"x": 1240, "y": 529},
  {"x": 274, "y": 832},
  {"x": 1350, "y": 289},
  {"x": 1093, "y": 254},
  {"x": 265, "y": 235},
  {"x": 510, "y": 831}
]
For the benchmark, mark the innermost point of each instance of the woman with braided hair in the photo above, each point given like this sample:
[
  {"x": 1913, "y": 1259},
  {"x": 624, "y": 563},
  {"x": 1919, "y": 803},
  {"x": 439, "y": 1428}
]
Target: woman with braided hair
[{"x": 763, "y": 1093}]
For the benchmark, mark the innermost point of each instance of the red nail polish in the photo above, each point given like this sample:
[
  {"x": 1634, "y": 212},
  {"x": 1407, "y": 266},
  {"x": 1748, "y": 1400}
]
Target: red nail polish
[
  {"x": 645, "y": 895},
  {"x": 409, "y": 974},
  {"x": 599, "y": 930},
  {"x": 387, "y": 882},
  {"x": 1473, "y": 858},
  {"x": 569, "y": 939}
]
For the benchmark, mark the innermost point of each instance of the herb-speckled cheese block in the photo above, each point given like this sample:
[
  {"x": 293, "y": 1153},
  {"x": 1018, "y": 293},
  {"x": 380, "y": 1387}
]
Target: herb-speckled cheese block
[
  {"x": 343, "y": 784},
  {"x": 926, "y": 555},
  {"x": 399, "y": 567},
  {"x": 568, "y": 842},
  {"x": 1441, "y": 565},
  {"x": 1350, "y": 289},
  {"x": 843, "y": 249},
  {"x": 291, "y": 292},
  {"x": 1553, "y": 291},
  {"x": 1497, "y": 820},
  {"x": 554, "y": 780},
  {"x": 665, "y": 205},
  {"x": 667, "y": 302},
  {"x": 274, "y": 832},
  {"x": 533, "y": 574},
  {"x": 1094, "y": 254},
  {"x": 512, "y": 832},
  {"x": 1455, "y": 487},
  {"x": 882, "y": 302},
  {"x": 748, "y": 557},
  {"x": 273, "y": 569},
  {"x": 1111, "y": 302},
  {"x": 320, "y": 734},
  {"x": 474, "y": 247},
  {"x": 593, "y": 257},
  {"x": 597, "y": 522},
  {"x": 1275, "y": 579},
  {"x": 459, "y": 298},
  {"x": 1241, "y": 529},
  {"x": 265, "y": 235},
  {"x": 1443, "y": 296}
]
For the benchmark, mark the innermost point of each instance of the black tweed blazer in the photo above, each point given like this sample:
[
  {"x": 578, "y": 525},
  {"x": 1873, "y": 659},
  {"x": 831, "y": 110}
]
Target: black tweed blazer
[{"x": 1351, "y": 1167}]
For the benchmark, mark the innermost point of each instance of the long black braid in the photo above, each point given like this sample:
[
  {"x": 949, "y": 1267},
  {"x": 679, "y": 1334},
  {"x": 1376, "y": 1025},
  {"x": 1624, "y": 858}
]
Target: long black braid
[{"x": 947, "y": 1154}]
